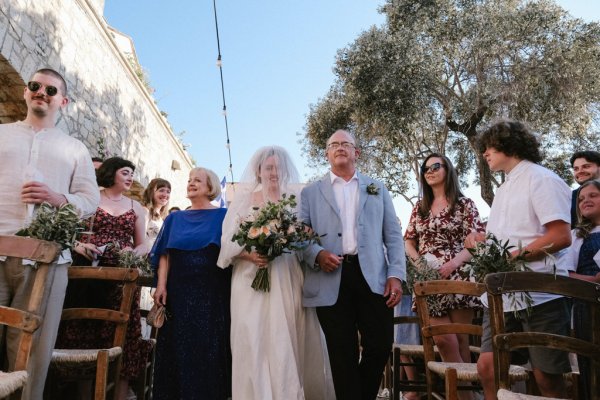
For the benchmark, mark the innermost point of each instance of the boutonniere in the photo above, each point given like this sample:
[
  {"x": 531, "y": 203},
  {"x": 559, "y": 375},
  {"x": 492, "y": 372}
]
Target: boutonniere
[{"x": 372, "y": 189}]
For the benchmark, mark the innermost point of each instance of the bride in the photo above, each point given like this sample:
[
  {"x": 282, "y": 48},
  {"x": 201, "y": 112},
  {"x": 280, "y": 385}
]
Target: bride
[{"x": 278, "y": 349}]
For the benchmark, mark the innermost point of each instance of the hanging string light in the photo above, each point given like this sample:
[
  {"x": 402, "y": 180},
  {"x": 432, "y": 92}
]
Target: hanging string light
[{"x": 220, "y": 66}]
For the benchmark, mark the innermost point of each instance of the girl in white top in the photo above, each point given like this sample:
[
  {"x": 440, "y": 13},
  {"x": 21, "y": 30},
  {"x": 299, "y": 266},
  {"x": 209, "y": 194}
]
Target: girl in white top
[{"x": 156, "y": 201}]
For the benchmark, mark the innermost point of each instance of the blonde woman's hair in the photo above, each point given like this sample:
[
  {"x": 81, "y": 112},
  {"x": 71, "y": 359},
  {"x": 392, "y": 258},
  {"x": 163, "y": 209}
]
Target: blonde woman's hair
[{"x": 213, "y": 182}]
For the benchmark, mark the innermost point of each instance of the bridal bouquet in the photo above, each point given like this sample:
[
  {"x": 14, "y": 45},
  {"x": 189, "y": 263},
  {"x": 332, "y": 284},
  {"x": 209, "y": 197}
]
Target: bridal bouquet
[
  {"x": 271, "y": 231},
  {"x": 492, "y": 256}
]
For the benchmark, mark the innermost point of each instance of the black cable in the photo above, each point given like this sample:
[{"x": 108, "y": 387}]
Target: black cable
[{"x": 220, "y": 65}]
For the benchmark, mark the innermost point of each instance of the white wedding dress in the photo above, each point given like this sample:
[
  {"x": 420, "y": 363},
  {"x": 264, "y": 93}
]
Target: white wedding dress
[{"x": 278, "y": 348}]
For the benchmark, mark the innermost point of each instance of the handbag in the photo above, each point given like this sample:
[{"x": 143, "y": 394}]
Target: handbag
[{"x": 156, "y": 315}]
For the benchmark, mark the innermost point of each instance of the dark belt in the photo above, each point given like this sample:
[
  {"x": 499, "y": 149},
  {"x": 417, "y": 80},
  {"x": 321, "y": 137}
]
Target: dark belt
[{"x": 350, "y": 258}]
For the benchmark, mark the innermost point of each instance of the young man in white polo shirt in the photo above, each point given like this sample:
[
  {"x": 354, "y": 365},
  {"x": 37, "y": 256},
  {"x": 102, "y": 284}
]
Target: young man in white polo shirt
[{"x": 531, "y": 207}]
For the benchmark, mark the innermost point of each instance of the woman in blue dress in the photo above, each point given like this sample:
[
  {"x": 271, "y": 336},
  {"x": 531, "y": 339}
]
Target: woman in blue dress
[
  {"x": 584, "y": 258},
  {"x": 193, "y": 358}
]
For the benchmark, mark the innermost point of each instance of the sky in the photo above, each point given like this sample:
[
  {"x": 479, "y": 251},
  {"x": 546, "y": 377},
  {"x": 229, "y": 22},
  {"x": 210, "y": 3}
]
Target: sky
[{"x": 277, "y": 60}]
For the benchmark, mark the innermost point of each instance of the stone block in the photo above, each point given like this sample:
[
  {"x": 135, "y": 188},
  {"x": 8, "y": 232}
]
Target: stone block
[{"x": 7, "y": 46}]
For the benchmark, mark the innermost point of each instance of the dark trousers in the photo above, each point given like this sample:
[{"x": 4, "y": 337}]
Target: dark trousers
[{"x": 357, "y": 310}]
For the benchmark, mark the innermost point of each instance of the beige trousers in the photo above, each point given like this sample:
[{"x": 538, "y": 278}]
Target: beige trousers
[{"x": 16, "y": 281}]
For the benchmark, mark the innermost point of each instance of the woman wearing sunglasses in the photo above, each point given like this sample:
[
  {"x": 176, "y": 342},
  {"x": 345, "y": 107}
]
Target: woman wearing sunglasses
[{"x": 439, "y": 224}]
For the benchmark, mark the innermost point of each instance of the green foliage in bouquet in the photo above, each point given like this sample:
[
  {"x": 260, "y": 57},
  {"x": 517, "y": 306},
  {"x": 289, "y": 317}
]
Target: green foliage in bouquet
[
  {"x": 60, "y": 225},
  {"x": 129, "y": 259},
  {"x": 493, "y": 256},
  {"x": 420, "y": 271},
  {"x": 271, "y": 231}
]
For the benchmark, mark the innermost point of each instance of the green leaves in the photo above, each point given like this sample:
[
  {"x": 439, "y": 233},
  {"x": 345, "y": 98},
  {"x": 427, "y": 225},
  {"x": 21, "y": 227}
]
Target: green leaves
[
  {"x": 60, "y": 225},
  {"x": 129, "y": 259},
  {"x": 420, "y": 271},
  {"x": 493, "y": 256}
]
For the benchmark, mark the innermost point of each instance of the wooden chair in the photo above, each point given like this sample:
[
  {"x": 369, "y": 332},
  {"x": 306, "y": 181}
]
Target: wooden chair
[
  {"x": 510, "y": 282},
  {"x": 451, "y": 373},
  {"x": 44, "y": 253},
  {"x": 143, "y": 384},
  {"x": 95, "y": 364},
  {"x": 399, "y": 381}
]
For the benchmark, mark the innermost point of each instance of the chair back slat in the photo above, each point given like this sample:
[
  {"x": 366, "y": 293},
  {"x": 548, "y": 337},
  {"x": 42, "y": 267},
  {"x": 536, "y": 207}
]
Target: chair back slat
[
  {"x": 104, "y": 273},
  {"x": 452, "y": 328},
  {"x": 517, "y": 340},
  {"x": 94, "y": 313},
  {"x": 577, "y": 289},
  {"x": 19, "y": 319},
  {"x": 449, "y": 287},
  {"x": 32, "y": 249},
  {"x": 508, "y": 282},
  {"x": 406, "y": 319}
]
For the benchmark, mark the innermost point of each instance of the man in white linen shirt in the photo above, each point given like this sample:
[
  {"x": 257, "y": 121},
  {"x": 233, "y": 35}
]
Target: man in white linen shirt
[
  {"x": 40, "y": 163},
  {"x": 531, "y": 207}
]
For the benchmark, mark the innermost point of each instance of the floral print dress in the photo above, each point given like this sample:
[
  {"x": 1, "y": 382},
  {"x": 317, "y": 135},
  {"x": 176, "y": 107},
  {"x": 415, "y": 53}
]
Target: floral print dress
[
  {"x": 443, "y": 236},
  {"x": 90, "y": 334}
]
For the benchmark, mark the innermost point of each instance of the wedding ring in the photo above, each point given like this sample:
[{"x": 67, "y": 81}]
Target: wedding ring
[{"x": 393, "y": 294}]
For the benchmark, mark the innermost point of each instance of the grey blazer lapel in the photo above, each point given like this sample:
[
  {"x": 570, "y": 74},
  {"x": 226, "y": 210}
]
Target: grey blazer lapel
[
  {"x": 327, "y": 192},
  {"x": 362, "y": 192}
]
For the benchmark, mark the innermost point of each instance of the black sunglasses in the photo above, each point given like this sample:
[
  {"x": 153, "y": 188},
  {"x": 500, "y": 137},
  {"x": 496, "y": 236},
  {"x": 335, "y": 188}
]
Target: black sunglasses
[
  {"x": 36, "y": 86},
  {"x": 432, "y": 168}
]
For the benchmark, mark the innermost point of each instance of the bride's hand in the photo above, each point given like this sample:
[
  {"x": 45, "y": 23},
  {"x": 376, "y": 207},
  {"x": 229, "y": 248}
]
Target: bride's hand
[{"x": 255, "y": 258}]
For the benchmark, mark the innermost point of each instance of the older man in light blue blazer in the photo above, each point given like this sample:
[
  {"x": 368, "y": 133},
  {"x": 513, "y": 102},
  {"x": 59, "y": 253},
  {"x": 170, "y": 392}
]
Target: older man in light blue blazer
[{"x": 354, "y": 276}]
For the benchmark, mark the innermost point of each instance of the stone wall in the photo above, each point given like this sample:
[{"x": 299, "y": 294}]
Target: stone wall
[{"x": 109, "y": 106}]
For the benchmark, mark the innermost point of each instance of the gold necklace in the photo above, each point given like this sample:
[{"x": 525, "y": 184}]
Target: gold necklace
[{"x": 119, "y": 199}]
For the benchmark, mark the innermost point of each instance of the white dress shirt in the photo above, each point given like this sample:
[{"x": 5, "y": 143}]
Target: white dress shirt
[
  {"x": 530, "y": 197},
  {"x": 346, "y": 197},
  {"x": 58, "y": 160}
]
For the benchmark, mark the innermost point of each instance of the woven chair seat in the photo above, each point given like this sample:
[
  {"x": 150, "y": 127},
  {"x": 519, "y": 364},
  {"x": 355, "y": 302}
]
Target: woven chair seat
[
  {"x": 413, "y": 350},
  {"x": 11, "y": 381},
  {"x": 504, "y": 394},
  {"x": 416, "y": 350},
  {"x": 468, "y": 371},
  {"x": 79, "y": 362}
]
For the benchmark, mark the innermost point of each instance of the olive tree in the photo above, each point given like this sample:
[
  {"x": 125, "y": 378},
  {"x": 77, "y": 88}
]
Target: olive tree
[{"x": 439, "y": 71}]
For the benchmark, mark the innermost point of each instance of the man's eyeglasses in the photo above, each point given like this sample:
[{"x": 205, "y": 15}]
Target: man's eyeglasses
[
  {"x": 36, "y": 86},
  {"x": 432, "y": 168},
  {"x": 337, "y": 145}
]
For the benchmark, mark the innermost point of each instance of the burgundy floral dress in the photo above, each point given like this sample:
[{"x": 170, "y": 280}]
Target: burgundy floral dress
[
  {"x": 443, "y": 235},
  {"x": 99, "y": 334}
]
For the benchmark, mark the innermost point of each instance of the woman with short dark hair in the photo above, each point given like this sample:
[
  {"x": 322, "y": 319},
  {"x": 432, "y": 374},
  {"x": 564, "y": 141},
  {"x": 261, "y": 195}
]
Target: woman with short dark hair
[{"x": 119, "y": 224}]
